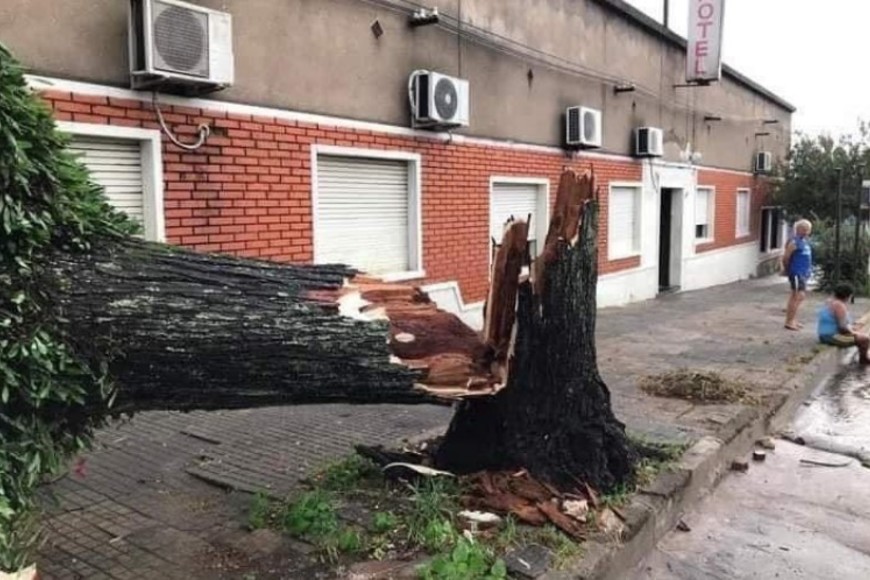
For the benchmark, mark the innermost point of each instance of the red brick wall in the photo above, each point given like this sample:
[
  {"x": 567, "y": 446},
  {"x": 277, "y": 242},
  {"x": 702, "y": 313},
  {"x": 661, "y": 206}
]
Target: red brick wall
[
  {"x": 725, "y": 219},
  {"x": 248, "y": 190}
]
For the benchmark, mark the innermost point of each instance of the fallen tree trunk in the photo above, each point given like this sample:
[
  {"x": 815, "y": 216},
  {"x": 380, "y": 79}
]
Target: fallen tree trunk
[
  {"x": 554, "y": 416},
  {"x": 199, "y": 331}
]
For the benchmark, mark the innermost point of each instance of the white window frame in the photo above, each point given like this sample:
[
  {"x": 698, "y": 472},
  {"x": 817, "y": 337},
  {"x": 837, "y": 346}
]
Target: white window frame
[
  {"x": 637, "y": 236},
  {"x": 152, "y": 168},
  {"x": 415, "y": 222},
  {"x": 783, "y": 233},
  {"x": 740, "y": 234},
  {"x": 542, "y": 217},
  {"x": 711, "y": 216}
]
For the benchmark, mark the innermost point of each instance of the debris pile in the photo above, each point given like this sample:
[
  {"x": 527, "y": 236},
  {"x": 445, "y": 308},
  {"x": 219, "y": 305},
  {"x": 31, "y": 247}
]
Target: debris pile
[
  {"x": 697, "y": 386},
  {"x": 531, "y": 501}
]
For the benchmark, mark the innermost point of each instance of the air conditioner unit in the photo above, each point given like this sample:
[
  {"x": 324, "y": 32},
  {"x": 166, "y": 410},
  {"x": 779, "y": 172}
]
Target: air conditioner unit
[
  {"x": 179, "y": 47},
  {"x": 648, "y": 142},
  {"x": 583, "y": 127},
  {"x": 437, "y": 100},
  {"x": 763, "y": 162}
]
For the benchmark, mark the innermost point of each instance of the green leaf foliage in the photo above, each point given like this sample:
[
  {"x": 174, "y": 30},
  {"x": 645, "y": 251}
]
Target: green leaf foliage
[
  {"x": 467, "y": 561},
  {"x": 52, "y": 393},
  {"x": 853, "y": 266},
  {"x": 810, "y": 177}
]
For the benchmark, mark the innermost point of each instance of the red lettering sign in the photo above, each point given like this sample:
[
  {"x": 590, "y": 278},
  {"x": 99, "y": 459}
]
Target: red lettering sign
[
  {"x": 704, "y": 40},
  {"x": 706, "y": 11}
]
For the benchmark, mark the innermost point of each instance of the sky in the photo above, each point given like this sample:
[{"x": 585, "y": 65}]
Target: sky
[{"x": 811, "y": 53}]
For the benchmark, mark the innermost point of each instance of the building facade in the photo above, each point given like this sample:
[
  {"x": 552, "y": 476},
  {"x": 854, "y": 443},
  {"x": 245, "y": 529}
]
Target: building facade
[{"x": 311, "y": 156}]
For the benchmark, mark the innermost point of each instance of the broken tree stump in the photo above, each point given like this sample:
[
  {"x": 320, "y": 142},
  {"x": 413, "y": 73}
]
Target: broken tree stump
[{"x": 554, "y": 416}]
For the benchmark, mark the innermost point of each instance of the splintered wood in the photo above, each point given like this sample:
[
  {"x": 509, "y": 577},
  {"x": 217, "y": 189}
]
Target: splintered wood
[
  {"x": 531, "y": 501},
  {"x": 453, "y": 359}
]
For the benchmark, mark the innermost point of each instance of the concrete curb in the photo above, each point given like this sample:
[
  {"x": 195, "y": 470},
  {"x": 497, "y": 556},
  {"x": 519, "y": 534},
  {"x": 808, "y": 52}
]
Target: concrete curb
[{"x": 656, "y": 509}]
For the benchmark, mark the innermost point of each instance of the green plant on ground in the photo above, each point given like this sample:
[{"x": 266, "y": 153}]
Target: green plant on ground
[
  {"x": 468, "y": 560},
  {"x": 618, "y": 496},
  {"x": 655, "y": 457},
  {"x": 54, "y": 387},
  {"x": 312, "y": 517},
  {"x": 379, "y": 546},
  {"x": 260, "y": 511},
  {"x": 508, "y": 536},
  {"x": 349, "y": 541},
  {"x": 513, "y": 535},
  {"x": 437, "y": 534},
  {"x": 563, "y": 548},
  {"x": 383, "y": 522},
  {"x": 430, "y": 523},
  {"x": 346, "y": 474}
]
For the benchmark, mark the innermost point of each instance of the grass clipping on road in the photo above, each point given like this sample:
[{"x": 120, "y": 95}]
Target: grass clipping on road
[{"x": 697, "y": 386}]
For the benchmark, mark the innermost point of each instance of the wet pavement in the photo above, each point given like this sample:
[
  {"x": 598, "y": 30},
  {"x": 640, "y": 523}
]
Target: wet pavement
[
  {"x": 804, "y": 513},
  {"x": 837, "y": 418}
]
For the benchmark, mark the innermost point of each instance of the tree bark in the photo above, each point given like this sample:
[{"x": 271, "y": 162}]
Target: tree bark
[
  {"x": 201, "y": 331},
  {"x": 554, "y": 416}
]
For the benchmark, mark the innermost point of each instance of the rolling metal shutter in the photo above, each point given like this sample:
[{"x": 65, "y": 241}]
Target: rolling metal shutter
[
  {"x": 622, "y": 222},
  {"x": 703, "y": 212},
  {"x": 513, "y": 199},
  {"x": 362, "y": 213},
  {"x": 116, "y": 165},
  {"x": 743, "y": 209}
]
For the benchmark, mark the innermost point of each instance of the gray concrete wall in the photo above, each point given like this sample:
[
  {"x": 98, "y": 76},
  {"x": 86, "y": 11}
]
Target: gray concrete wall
[{"x": 320, "y": 56}]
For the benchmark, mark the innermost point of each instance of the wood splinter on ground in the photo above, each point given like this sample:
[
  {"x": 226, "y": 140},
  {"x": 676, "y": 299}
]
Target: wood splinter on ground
[{"x": 529, "y": 500}]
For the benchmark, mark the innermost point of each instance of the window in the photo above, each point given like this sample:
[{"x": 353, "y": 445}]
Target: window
[
  {"x": 519, "y": 198},
  {"x": 623, "y": 221},
  {"x": 366, "y": 211},
  {"x": 126, "y": 163},
  {"x": 704, "y": 209},
  {"x": 772, "y": 226},
  {"x": 744, "y": 205}
]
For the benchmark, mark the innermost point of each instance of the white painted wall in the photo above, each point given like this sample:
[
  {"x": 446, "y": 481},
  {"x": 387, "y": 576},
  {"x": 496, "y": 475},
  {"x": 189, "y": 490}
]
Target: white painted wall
[
  {"x": 721, "y": 266},
  {"x": 448, "y": 297},
  {"x": 629, "y": 286},
  {"x": 692, "y": 271}
]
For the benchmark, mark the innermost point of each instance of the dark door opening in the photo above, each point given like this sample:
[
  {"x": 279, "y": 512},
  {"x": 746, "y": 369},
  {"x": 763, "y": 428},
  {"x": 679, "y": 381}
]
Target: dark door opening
[{"x": 665, "y": 228}]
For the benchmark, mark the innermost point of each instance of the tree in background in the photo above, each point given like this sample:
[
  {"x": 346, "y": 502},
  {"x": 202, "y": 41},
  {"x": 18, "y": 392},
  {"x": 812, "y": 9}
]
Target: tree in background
[
  {"x": 808, "y": 188},
  {"x": 810, "y": 175}
]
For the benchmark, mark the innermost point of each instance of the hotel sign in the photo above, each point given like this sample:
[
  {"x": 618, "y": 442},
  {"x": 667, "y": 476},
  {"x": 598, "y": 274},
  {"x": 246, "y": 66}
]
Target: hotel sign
[{"x": 704, "y": 62}]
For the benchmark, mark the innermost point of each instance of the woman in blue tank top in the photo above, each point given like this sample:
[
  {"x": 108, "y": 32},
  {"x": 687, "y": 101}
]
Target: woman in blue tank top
[
  {"x": 835, "y": 324},
  {"x": 797, "y": 264}
]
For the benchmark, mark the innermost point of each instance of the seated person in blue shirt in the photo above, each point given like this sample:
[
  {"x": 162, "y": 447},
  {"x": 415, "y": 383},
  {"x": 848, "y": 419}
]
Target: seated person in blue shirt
[{"x": 835, "y": 323}]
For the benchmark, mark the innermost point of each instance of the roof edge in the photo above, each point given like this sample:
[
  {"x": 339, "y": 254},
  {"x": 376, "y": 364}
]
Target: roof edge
[{"x": 651, "y": 25}]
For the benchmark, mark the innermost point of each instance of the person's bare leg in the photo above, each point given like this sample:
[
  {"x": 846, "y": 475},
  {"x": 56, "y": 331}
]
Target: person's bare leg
[
  {"x": 791, "y": 311},
  {"x": 862, "y": 341},
  {"x": 800, "y": 296}
]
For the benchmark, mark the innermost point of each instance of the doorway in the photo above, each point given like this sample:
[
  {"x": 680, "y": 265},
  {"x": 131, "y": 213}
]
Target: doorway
[{"x": 670, "y": 241}]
